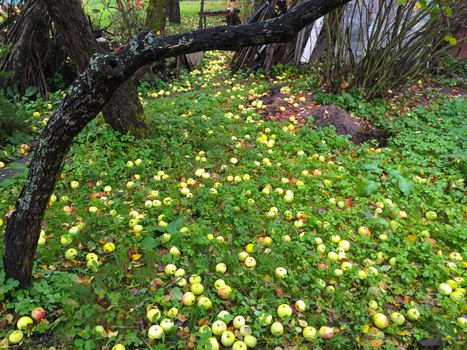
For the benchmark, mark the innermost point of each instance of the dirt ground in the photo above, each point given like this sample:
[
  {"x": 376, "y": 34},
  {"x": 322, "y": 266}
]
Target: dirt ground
[{"x": 280, "y": 108}]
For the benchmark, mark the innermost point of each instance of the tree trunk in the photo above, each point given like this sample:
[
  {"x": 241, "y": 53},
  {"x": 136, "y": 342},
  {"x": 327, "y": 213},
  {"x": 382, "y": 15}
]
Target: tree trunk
[
  {"x": 28, "y": 39},
  {"x": 174, "y": 11},
  {"x": 123, "y": 111},
  {"x": 93, "y": 89},
  {"x": 155, "y": 16}
]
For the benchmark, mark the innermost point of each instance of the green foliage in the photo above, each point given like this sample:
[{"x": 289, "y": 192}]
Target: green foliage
[
  {"x": 15, "y": 124},
  {"x": 202, "y": 121}
]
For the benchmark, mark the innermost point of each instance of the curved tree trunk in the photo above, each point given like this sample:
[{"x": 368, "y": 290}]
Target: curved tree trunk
[
  {"x": 27, "y": 38},
  {"x": 91, "y": 91},
  {"x": 123, "y": 112}
]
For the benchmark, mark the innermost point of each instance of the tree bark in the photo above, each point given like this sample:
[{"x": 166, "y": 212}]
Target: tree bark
[
  {"x": 91, "y": 91},
  {"x": 123, "y": 111},
  {"x": 174, "y": 11},
  {"x": 156, "y": 16},
  {"x": 28, "y": 39}
]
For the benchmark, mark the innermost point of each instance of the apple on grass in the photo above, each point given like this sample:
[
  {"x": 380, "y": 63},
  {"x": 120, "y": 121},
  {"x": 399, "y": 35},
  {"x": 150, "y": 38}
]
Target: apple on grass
[
  {"x": 212, "y": 344},
  {"x": 380, "y": 320},
  {"x": 227, "y": 338},
  {"x": 309, "y": 333},
  {"x": 397, "y": 318},
  {"x": 284, "y": 311},
  {"x": 155, "y": 332},
  {"x": 413, "y": 314},
  {"x": 239, "y": 345},
  {"x": 118, "y": 347},
  {"x": 277, "y": 328},
  {"x": 326, "y": 332},
  {"x": 167, "y": 325},
  {"x": 218, "y": 327},
  {"x": 38, "y": 313},
  {"x": 188, "y": 299},
  {"x": 250, "y": 340}
]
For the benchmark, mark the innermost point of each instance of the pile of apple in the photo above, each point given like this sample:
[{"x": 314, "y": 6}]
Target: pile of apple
[{"x": 26, "y": 324}]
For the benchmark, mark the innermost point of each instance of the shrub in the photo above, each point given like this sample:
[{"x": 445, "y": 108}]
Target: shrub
[{"x": 14, "y": 123}]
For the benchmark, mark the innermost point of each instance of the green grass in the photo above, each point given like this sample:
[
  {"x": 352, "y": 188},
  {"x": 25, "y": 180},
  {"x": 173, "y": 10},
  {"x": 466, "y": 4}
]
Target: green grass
[{"x": 202, "y": 121}]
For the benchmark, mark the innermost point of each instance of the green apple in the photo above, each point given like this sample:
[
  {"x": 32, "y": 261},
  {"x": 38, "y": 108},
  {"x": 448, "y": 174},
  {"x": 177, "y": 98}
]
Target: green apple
[
  {"x": 173, "y": 312},
  {"x": 457, "y": 296},
  {"x": 239, "y": 345},
  {"x": 444, "y": 288},
  {"x": 250, "y": 340},
  {"x": 167, "y": 325},
  {"x": 462, "y": 321},
  {"x": 24, "y": 322},
  {"x": 155, "y": 332},
  {"x": 397, "y": 318},
  {"x": 277, "y": 329},
  {"x": 431, "y": 215},
  {"x": 71, "y": 253},
  {"x": 205, "y": 303},
  {"x": 99, "y": 331},
  {"x": 221, "y": 268},
  {"x": 281, "y": 272},
  {"x": 373, "y": 304},
  {"x": 413, "y": 314},
  {"x": 380, "y": 320},
  {"x": 227, "y": 338},
  {"x": 212, "y": 344},
  {"x": 300, "y": 305},
  {"x": 309, "y": 333},
  {"x": 195, "y": 279},
  {"x": 238, "y": 322},
  {"x": 153, "y": 315},
  {"x": 118, "y": 347},
  {"x": 218, "y": 327},
  {"x": 284, "y": 311},
  {"x": 109, "y": 247},
  {"x": 16, "y": 337},
  {"x": 265, "y": 319},
  {"x": 197, "y": 289},
  {"x": 170, "y": 269}
]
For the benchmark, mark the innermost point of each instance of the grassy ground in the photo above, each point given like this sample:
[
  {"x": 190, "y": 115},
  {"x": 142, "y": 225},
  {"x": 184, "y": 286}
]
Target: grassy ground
[{"x": 368, "y": 231}]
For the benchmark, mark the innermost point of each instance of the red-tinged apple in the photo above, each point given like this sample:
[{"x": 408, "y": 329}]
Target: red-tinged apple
[
  {"x": 397, "y": 318},
  {"x": 364, "y": 231},
  {"x": 221, "y": 268},
  {"x": 239, "y": 345},
  {"x": 218, "y": 327},
  {"x": 224, "y": 292},
  {"x": 284, "y": 311},
  {"x": 24, "y": 322},
  {"x": 227, "y": 338},
  {"x": 413, "y": 314},
  {"x": 197, "y": 289},
  {"x": 239, "y": 321},
  {"x": 167, "y": 325},
  {"x": 300, "y": 305},
  {"x": 380, "y": 320},
  {"x": 38, "y": 313},
  {"x": 188, "y": 299},
  {"x": 15, "y": 337},
  {"x": 155, "y": 332},
  {"x": 71, "y": 253},
  {"x": 277, "y": 329},
  {"x": 309, "y": 333},
  {"x": 326, "y": 332}
]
